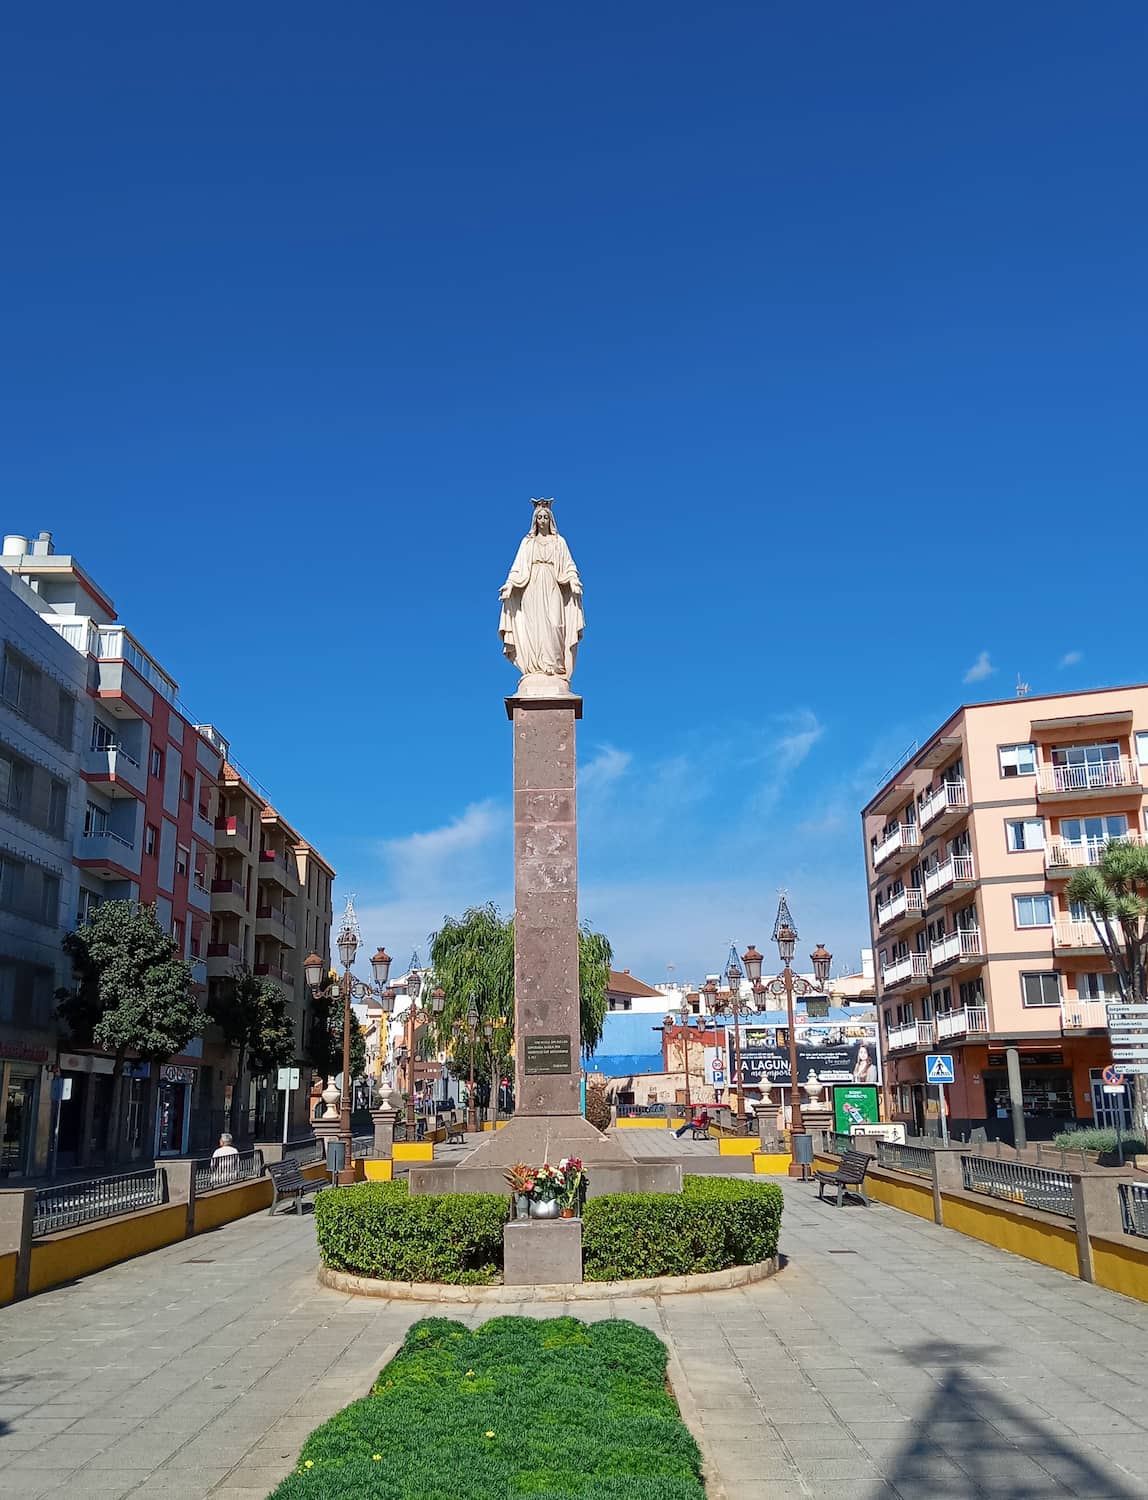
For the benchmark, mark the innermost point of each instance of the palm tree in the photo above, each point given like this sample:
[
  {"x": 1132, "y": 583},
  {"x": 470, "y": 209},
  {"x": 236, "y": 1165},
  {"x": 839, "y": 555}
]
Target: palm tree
[{"x": 1115, "y": 893}]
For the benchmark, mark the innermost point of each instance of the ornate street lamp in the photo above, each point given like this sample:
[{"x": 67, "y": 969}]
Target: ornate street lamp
[
  {"x": 472, "y": 1027},
  {"x": 346, "y": 989},
  {"x": 790, "y": 984}
]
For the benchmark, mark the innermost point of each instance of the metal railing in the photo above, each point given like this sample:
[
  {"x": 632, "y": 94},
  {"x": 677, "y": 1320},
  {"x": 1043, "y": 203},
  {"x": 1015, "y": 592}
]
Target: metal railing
[
  {"x": 73, "y": 1203},
  {"x": 1035, "y": 1187},
  {"x": 951, "y": 796},
  {"x": 837, "y": 1145},
  {"x": 1095, "y": 775},
  {"x": 225, "y": 1171},
  {"x": 1134, "y": 1207},
  {"x": 362, "y": 1145},
  {"x": 304, "y": 1153},
  {"x": 905, "y": 1158}
]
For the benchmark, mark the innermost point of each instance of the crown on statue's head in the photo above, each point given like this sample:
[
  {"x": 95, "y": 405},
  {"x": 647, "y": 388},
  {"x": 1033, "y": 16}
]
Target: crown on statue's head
[{"x": 547, "y": 503}]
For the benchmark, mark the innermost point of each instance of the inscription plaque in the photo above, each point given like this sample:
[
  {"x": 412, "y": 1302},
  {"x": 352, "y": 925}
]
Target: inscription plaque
[{"x": 547, "y": 1054}]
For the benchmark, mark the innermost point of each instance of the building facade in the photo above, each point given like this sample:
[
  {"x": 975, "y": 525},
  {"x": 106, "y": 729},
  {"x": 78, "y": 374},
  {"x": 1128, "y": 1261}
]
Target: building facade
[
  {"x": 125, "y": 798},
  {"x": 969, "y": 848}
]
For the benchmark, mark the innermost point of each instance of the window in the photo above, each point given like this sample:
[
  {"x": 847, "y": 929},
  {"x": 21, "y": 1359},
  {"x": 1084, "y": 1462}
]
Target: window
[
  {"x": 155, "y": 761},
  {"x": 182, "y": 859},
  {"x": 50, "y": 899},
  {"x": 16, "y": 679},
  {"x": 57, "y": 806},
  {"x": 65, "y": 719},
  {"x": 1032, "y": 911},
  {"x": 1017, "y": 760},
  {"x": 1142, "y": 746},
  {"x": 1095, "y": 830},
  {"x": 151, "y": 838},
  {"x": 1040, "y": 989},
  {"x": 185, "y": 787},
  {"x": 11, "y": 884},
  {"x": 13, "y": 782},
  {"x": 87, "y": 905},
  {"x": 1097, "y": 987},
  {"x": 95, "y": 818},
  {"x": 103, "y": 736},
  {"x": 972, "y": 992},
  {"x": 1024, "y": 833},
  {"x": 177, "y": 931}
]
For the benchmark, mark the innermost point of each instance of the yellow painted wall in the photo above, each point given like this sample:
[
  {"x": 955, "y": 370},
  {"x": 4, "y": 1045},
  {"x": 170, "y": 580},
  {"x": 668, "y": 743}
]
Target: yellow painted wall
[
  {"x": 377, "y": 1170},
  {"x": 8, "y": 1276},
  {"x": 76, "y": 1252},
  {"x": 771, "y": 1163},
  {"x": 413, "y": 1151},
  {"x": 1051, "y": 1244},
  {"x": 738, "y": 1145},
  {"x": 641, "y": 1122},
  {"x": 499, "y": 1125},
  {"x": 911, "y": 1197},
  {"x": 225, "y": 1204},
  {"x": 1120, "y": 1267}
]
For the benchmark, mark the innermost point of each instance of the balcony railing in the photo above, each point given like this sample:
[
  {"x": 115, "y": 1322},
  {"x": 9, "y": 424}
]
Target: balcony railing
[
  {"x": 912, "y": 966},
  {"x": 957, "y": 869},
  {"x": 916, "y": 1034},
  {"x": 907, "y": 902},
  {"x": 963, "y": 944},
  {"x": 116, "y": 644},
  {"x": 953, "y": 796},
  {"x": 234, "y": 826},
  {"x": 273, "y": 971},
  {"x": 1065, "y": 854},
  {"x": 953, "y": 1023},
  {"x": 1093, "y": 776},
  {"x": 275, "y": 914},
  {"x": 904, "y": 836},
  {"x": 1070, "y": 934},
  {"x": 1083, "y": 1015},
  {"x": 224, "y": 950},
  {"x": 227, "y": 888}
]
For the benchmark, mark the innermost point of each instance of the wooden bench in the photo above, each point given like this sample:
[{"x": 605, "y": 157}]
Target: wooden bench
[
  {"x": 848, "y": 1178},
  {"x": 455, "y": 1130},
  {"x": 287, "y": 1181}
]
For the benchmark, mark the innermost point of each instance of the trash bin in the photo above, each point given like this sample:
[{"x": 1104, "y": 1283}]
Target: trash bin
[
  {"x": 336, "y": 1157},
  {"x": 803, "y": 1151}
]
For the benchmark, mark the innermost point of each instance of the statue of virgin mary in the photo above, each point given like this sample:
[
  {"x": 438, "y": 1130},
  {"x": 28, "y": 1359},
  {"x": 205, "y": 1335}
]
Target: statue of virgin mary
[{"x": 542, "y": 620}]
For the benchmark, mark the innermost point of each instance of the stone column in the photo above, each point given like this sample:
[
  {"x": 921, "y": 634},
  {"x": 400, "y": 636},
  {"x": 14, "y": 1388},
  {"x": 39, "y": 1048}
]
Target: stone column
[
  {"x": 384, "y": 1123},
  {"x": 180, "y": 1174},
  {"x": 17, "y": 1211}
]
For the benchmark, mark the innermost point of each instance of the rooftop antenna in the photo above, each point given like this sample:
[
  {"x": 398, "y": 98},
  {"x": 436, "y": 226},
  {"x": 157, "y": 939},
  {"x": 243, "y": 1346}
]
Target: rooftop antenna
[{"x": 1022, "y": 687}]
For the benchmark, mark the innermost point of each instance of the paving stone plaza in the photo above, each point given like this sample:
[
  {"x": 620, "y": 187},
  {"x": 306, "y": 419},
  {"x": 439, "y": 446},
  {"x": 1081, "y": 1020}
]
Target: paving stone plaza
[{"x": 889, "y": 1358}]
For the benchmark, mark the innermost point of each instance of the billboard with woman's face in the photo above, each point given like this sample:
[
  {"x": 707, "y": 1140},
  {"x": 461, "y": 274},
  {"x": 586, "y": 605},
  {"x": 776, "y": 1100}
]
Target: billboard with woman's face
[{"x": 837, "y": 1051}]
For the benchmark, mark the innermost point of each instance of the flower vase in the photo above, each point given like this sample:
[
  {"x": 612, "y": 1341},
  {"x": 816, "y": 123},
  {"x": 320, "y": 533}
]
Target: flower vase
[
  {"x": 522, "y": 1206},
  {"x": 569, "y": 1213},
  {"x": 544, "y": 1208}
]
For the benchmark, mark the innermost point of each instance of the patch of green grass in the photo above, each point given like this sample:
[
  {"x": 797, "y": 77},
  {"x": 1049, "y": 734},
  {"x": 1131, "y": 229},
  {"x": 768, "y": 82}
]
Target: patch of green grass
[
  {"x": 1094, "y": 1139},
  {"x": 517, "y": 1407}
]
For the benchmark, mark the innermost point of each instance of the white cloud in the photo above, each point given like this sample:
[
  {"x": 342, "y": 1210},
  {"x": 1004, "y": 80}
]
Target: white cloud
[
  {"x": 480, "y": 822},
  {"x": 980, "y": 669},
  {"x": 1070, "y": 658},
  {"x": 801, "y": 734},
  {"x": 607, "y": 766}
]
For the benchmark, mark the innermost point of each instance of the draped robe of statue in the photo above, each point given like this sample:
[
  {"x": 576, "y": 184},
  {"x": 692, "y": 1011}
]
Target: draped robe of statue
[{"x": 542, "y": 620}]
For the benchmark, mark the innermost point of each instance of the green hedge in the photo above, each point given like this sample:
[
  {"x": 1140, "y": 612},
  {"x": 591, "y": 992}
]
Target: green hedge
[
  {"x": 555, "y": 1409},
  {"x": 1093, "y": 1138},
  {"x": 716, "y": 1222},
  {"x": 376, "y": 1229}
]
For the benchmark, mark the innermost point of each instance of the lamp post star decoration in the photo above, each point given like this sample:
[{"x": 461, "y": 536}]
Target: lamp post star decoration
[{"x": 346, "y": 989}]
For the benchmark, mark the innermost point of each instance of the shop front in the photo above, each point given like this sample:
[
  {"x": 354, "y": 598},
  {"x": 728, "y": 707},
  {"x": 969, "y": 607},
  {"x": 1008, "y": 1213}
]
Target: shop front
[
  {"x": 174, "y": 1083},
  {"x": 21, "y": 1082}
]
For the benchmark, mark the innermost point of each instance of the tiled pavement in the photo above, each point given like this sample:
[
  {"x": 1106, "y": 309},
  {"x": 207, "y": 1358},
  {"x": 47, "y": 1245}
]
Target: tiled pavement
[{"x": 889, "y": 1359}]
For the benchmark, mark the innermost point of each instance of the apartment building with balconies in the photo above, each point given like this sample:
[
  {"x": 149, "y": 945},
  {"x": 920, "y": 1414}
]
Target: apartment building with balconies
[
  {"x": 969, "y": 849},
  {"x": 141, "y": 831}
]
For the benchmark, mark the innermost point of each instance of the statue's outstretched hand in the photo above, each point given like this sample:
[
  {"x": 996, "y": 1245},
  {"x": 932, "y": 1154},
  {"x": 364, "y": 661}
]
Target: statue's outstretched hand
[{"x": 504, "y": 592}]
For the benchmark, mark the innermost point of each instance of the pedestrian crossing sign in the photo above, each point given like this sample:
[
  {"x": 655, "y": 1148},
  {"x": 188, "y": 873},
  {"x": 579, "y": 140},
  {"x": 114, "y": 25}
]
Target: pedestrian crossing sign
[{"x": 939, "y": 1067}]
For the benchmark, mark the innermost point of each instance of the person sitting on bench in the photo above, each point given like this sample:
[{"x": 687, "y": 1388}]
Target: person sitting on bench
[{"x": 700, "y": 1121}]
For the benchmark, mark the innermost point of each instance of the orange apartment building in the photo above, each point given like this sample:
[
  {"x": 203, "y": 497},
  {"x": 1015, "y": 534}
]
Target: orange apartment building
[{"x": 969, "y": 848}]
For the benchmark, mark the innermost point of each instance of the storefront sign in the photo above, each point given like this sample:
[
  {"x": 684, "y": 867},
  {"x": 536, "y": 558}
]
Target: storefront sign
[
  {"x": 838, "y": 1052},
  {"x": 172, "y": 1073},
  {"x": 547, "y": 1054},
  {"x": 85, "y": 1062},
  {"x": 19, "y": 1053}
]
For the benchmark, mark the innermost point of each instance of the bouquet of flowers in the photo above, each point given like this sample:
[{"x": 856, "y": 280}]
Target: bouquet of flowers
[
  {"x": 573, "y": 1181},
  {"x": 521, "y": 1179},
  {"x": 549, "y": 1183}
]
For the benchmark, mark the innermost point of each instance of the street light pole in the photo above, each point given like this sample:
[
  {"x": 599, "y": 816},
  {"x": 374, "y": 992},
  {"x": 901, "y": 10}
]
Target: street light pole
[
  {"x": 791, "y": 984},
  {"x": 472, "y": 1027},
  {"x": 345, "y": 990}
]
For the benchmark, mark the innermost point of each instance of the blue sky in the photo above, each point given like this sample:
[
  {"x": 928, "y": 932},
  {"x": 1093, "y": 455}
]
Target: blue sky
[{"x": 824, "y": 324}]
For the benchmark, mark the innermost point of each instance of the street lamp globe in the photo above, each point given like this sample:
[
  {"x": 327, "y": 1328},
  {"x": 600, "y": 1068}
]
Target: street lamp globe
[
  {"x": 381, "y": 966},
  {"x": 821, "y": 960},
  {"x": 685, "y": 1013},
  {"x": 709, "y": 990},
  {"x": 438, "y": 1000},
  {"x": 734, "y": 976},
  {"x": 348, "y": 945},
  {"x": 313, "y": 970},
  {"x": 472, "y": 1016},
  {"x": 752, "y": 960},
  {"x": 388, "y": 999},
  {"x": 488, "y": 1029},
  {"x": 786, "y": 943},
  {"x": 414, "y": 984},
  {"x": 668, "y": 1021}
]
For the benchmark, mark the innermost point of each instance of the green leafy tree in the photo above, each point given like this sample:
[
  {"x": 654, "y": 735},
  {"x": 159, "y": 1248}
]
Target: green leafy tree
[
  {"x": 473, "y": 957},
  {"x": 132, "y": 994},
  {"x": 1114, "y": 891},
  {"x": 253, "y": 1016}
]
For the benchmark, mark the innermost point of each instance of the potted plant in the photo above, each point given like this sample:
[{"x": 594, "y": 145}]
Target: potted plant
[
  {"x": 573, "y": 1186},
  {"x": 521, "y": 1180},
  {"x": 548, "y": 1182}
]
